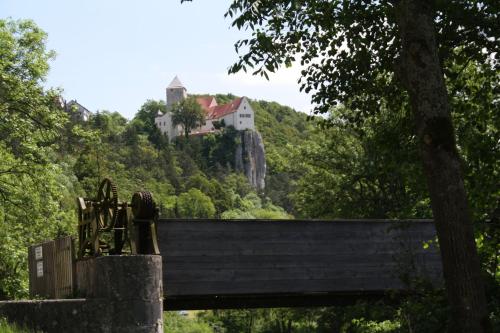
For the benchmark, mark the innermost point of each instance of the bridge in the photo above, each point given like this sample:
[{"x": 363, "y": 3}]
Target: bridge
[
  {"x": 213, "y": 264},
  {"x": 263, "y": 263}
]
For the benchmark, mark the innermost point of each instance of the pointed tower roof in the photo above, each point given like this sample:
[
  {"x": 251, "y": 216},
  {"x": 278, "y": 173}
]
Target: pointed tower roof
[{"x": 176, "y": 83}]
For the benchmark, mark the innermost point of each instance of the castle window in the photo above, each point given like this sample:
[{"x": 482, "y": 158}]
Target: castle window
[{"x": 245, "y": 115}]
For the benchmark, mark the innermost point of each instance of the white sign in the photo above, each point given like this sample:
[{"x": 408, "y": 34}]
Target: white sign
[
  {"x": 38, "y": 253},
  {"x": 39, "y": 269}
]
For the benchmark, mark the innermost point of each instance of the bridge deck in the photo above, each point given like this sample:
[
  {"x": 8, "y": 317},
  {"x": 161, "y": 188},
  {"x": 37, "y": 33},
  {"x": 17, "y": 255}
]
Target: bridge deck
[{"x": 245, "y": 263}]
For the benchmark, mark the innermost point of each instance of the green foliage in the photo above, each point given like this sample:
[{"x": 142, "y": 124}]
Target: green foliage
[
  {"x": 29, "y": 119},
  {"x": 218, "y": 150},
  {"x": 252, "y": 207},
  {"x": 224, "y": 98},
  {"x": 144, "y": 122},
  {"x": 189, "y": 114},
  {"x": 171, "y": 173},
  {"x": 5, "y": 327},
  {"x": 222, "y": 197},
  {"x": 173, "y": 322},
  {"x": 147, "y": 113},
  {"x": 282, "y": 129},
  {"x": 368, "y": 170},
  {"x": 371, "y": 172},
  {"x": 32, "y": 184},
  {"x": 476, "y": 114},
  {"x": 168, "y": 207},
  {"x": 110, "y": 124},
  {"x": 195, "y": 204},
  {"x": 350, "y": 49},
  {"x": 247, "y": 320},
  {"x": 238, "y": 183}
]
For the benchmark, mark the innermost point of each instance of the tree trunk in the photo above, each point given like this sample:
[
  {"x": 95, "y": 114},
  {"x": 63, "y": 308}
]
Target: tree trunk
[{"x": 420, "y": 71}]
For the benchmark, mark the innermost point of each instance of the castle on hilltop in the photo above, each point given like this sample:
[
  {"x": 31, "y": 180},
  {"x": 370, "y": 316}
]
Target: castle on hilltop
[{"x": 237, "y": 113}]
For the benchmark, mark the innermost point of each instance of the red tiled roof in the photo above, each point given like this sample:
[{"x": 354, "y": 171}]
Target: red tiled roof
[
  {"x": 214, "y": 111},
  {"x": 219, "y": 111},
  {"x": 206, "y": 102}
]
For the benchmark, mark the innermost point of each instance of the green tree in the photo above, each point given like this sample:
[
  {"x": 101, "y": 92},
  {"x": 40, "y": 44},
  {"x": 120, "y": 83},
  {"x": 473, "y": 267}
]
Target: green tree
[
  {"x": 33, "y": 187},
  {"x": 367, "y": 55},
  {"x": 371, "y": 172},
  {"x": 189, "y": 114},
  {"x": 220, "y": 196},
  {"x": 253, "y": 207},
  {"x": 148, "y": 112},
  {"x": 195, "y": 204},
  {"x": 109, "y": 124},
  {"x": 29, "y": 117},
  {"x": 144, "y": 121}
]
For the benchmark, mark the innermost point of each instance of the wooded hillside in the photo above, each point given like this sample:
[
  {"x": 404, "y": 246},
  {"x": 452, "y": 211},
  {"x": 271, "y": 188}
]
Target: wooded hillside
[{"x": 317, "y": 168}]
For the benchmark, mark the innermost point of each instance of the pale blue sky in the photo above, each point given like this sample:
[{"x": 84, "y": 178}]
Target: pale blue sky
[{"x": 114, "y": 55}]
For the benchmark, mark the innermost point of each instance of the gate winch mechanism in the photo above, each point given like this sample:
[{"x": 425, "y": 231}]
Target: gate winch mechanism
[{"x": 108, "y": 226}]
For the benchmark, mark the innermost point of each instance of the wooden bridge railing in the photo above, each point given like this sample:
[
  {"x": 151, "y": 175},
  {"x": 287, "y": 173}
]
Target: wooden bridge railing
[{"x": 250, "y": 263}]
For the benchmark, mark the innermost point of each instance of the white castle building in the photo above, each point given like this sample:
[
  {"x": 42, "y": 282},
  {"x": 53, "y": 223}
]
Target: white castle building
[{"x": 237, "y": 113}]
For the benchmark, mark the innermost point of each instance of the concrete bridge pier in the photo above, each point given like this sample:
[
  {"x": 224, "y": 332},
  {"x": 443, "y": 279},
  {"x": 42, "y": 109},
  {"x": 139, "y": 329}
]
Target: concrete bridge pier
[
  {"x": 123, "y": 294},
  {"x": 131, "y": 288}
]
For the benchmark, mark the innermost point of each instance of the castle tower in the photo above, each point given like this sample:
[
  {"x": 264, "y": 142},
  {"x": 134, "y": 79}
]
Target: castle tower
[{"x": 176, "y": 92}]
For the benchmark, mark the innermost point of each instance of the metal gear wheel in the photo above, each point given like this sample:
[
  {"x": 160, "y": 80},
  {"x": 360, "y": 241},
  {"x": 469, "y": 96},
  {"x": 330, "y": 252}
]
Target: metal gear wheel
[{"x": 143, "y": 205}]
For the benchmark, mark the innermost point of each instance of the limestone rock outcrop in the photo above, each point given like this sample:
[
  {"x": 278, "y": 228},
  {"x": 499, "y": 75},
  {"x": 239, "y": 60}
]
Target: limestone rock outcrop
[{"x": 250, "y": 157}]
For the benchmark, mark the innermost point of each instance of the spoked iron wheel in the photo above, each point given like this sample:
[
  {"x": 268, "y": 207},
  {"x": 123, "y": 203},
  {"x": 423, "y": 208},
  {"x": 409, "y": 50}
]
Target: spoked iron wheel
[
  {"x": 84, "y": 229},
  {"x": 105, "y": 216},
  {"x": 107, "y": 199},
  {"x": 120, "y": 236}
]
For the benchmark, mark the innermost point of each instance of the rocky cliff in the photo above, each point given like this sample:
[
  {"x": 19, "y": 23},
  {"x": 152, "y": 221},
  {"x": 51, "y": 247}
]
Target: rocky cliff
[{"x": 250, "y": 157}]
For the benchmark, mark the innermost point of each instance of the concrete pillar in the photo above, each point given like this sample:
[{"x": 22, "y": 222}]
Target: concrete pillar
[
  {"x": 131, "y": 289},
  {"x": 123, "y": 294}
]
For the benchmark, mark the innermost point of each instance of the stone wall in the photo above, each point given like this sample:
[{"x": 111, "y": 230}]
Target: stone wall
[{"x": 124, "y": 294}]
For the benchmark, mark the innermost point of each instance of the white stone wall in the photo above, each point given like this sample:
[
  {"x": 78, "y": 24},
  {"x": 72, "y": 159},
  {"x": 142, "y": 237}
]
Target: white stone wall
[
  {"x": 164, "y": 123},
  {"x": 228, "y": 119},
  {"x": 244, "y": 116}
]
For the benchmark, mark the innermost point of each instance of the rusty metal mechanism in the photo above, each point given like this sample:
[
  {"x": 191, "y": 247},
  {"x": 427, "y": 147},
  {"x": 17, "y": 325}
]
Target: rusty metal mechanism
[{"x": 109, "y": 226}]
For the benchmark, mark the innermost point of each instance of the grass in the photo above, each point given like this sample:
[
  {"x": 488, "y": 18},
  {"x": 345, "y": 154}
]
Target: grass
[{"x": 5, "y": 327}]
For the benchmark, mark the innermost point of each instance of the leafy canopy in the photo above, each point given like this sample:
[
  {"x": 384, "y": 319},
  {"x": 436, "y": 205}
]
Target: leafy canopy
[
  {"x": 189, "y": 114},
  {"x": 195, "y": 204},
  {"x": 350, "y": 50},
  {"x": 32, "y": 187},
  {"x": 29, "y": 120}
]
